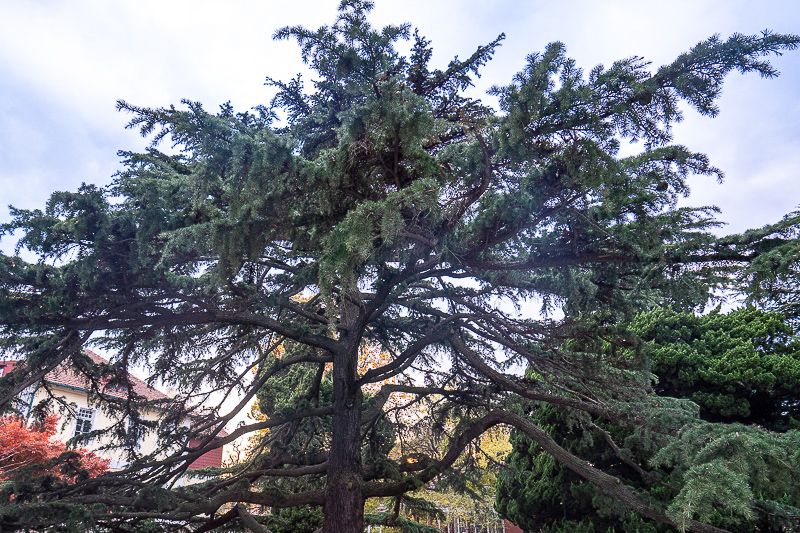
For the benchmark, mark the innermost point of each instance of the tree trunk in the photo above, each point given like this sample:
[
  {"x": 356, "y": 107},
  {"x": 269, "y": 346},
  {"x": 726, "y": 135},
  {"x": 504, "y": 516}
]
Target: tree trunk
[{"x": 344, "y": 501}]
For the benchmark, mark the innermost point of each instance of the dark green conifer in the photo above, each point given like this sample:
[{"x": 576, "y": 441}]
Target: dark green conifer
[
  {"x": 742, "y": 369},
  {"x": 387, "y": 210}
]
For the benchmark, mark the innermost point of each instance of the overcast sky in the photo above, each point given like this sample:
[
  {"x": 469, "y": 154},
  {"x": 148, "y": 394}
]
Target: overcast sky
[{"x": 64, "y": 64}]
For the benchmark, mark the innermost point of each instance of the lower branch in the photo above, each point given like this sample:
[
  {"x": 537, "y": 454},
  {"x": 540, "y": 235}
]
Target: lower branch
[
  {"x": 605, "y": 482},
  {"x": 249, "y": 521},
  {"x": 624, "y": 458}
]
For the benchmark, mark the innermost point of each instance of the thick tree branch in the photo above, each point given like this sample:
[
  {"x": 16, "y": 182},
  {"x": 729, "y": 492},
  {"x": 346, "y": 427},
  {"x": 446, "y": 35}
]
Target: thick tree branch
[
  {"x": 249, "y": 521},
  {"x": 514, "y": 385},
  {"x": 606, "y": 483}
]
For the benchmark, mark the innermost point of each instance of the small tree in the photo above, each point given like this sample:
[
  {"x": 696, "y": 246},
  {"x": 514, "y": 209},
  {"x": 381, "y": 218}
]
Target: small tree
[
  {"x": 387, "y": 210},
  {"x": 33, "y": 451}
]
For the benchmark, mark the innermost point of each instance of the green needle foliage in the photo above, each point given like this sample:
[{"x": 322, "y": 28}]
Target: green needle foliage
[
  {"x": 385, "y": 210},
  {"x": 743, "y": 366},
  {"x": 737, "y": 469}
]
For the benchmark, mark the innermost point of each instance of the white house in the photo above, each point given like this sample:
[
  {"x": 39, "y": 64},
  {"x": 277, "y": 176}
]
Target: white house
[{"x": 75, "y": 390}]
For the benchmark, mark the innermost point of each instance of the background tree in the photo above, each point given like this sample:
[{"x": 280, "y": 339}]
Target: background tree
[
  {"x": 742, "y": 366},
  {"x": 739, "y": 368},
  {"x": 387, "y": 209}
]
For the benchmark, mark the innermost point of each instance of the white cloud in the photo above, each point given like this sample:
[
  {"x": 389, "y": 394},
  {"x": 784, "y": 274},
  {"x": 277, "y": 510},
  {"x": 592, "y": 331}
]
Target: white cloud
[{"x": 64, "y": 64}]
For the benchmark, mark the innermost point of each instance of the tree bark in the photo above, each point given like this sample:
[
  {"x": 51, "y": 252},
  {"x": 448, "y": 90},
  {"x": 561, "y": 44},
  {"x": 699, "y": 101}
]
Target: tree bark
[{"x": 344, "y": 501}]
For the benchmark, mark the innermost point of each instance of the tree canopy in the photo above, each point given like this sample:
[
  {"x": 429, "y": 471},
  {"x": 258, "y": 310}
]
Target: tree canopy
[
  {"x": 26, "y": 451},
  {"x": 741, "y": 370},
  {"x": 382, "y": 208},
  {"x": 743, "y": 366}
]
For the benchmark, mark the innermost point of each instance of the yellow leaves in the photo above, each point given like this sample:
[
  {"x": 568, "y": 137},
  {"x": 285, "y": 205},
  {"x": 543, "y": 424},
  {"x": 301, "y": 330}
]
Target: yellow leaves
[
  {"x": 494, "y": 444},
  {"x": 370, "y": 358},
  {"x": 278, "y": 351}
]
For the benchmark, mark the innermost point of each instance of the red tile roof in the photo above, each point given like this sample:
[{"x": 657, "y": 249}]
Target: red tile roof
[
  {"x": 67, "y": 377},
  {"x": 7, "y": 366}
]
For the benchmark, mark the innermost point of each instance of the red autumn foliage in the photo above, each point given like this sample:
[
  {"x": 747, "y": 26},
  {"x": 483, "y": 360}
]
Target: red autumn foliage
[{"x": 22, "y": 445}]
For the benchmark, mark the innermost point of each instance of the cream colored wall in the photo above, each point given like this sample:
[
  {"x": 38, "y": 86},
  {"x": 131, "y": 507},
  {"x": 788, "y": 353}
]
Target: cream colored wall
[{"x": 66, "y": 425}]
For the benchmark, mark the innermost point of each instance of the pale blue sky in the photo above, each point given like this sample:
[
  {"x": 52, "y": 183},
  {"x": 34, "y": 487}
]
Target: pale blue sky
[{"x": 63, "y": 64}]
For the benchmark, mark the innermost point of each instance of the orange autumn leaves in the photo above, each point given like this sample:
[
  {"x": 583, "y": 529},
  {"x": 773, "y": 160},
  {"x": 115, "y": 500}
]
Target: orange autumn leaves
[
  {"x": 35, "y": 446},
  {"x": 370, "y": 358}
]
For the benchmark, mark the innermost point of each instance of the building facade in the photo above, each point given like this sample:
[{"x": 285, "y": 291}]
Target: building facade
[{"x": 72, "y": 391}]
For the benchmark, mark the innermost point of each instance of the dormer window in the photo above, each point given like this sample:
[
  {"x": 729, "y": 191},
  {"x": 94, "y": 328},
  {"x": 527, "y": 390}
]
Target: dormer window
[{"x": 115, "y": 388}]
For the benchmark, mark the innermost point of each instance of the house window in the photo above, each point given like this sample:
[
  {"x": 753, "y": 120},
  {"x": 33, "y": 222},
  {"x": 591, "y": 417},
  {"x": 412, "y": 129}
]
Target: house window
[
  {"x": 118, "y": 388},
  {"x": 83, "y": 420},
  {"x": 24, "y": 401},
  {"x": 135, "y": 434}
]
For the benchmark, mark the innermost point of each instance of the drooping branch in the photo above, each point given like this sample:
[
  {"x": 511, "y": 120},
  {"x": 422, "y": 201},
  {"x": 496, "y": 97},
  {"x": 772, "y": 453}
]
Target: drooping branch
[
  {"x": 625, "y": 459},
  {"x": 517, "y": 387},
  {"x": 250, "y": 521},
  {"x": 438, "y": 334},
  {"x": 71, "y": 343},
  {"x": 606, "y": 483},
  {"x": 198, "y": 451}
]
